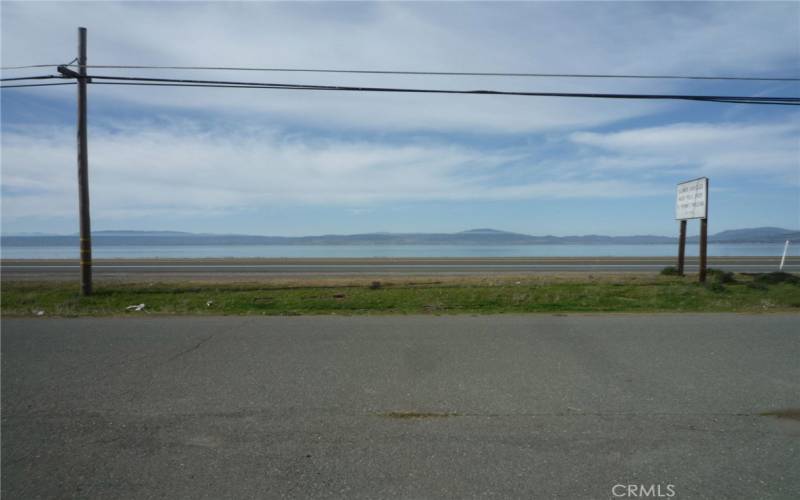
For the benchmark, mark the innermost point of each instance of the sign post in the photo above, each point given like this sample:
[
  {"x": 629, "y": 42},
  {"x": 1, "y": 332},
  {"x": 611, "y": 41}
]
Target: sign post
[
  {"x": 692, "y": 203},
  {"x": 703, "y": 249},
  {"x": 682, "y": 247}
]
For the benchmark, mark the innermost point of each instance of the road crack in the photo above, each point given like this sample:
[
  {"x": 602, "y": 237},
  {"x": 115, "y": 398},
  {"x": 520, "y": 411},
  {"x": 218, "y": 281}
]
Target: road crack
[{"x": 193, "y": 348}]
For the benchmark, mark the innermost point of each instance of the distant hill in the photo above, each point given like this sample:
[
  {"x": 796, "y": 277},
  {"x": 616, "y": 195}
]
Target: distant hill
[
  {"x": 481, "y": 236},
  {"x": 142, "y": 233},
  {"x": 484, "y": 231},
  {"x": 758, "y": 234}
]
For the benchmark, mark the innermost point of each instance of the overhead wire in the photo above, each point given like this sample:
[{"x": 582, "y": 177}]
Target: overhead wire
[
  {"x": 35, "y": 85},
  {"x": 41, "y": 77},
  {"x": 267, "y": 85},
  {"x": 419, "y": 72},
  {"x": 26, "y": 78},
  {"x": 4, "y": 68},
  {"x": 718, "y": 99},
  {"x": 449, "y": 73},
  {"x": 123, "y": 80}
]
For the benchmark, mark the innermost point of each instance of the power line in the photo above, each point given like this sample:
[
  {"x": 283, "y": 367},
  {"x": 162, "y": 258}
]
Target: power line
[
  {"x": 34, "y": 85},
  {"x": 453, "y": 73},
  {"x": 202, "y": 85},
  {"x": 427, "y": 73},
  {"x": 122, "y": 80},
  {"x": 231, "y": 84},
  {"x": 4, "y": 68},
  {"x": 781, "y": 101},
  {"x": 43, "y": 77},
  {"x": 719, "y": 99}
]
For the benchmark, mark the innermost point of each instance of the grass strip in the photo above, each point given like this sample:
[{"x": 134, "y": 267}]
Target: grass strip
[{"x": 739, "y": 293}]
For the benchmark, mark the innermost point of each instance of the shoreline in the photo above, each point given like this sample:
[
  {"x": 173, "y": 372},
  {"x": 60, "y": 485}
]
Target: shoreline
[{"x": 260, "y": 269}]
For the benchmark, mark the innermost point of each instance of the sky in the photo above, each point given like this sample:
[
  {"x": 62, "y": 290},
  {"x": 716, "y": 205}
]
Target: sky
[{"x": 290, "y": 162}]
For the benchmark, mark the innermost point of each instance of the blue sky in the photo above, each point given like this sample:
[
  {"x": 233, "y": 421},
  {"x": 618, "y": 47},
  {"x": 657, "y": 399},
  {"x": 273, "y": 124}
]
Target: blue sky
[{"x": 298, "y": 162}]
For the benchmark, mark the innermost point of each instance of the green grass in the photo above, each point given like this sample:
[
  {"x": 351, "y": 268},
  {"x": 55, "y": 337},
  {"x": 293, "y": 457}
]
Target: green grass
[
  {"x": 746, "y": 293},
  {"x": 670, "y": 271}
]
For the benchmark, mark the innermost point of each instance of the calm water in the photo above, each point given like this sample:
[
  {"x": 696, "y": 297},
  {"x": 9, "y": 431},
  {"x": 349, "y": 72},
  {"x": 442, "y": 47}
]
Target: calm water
[{"x": 149, "y": 251}]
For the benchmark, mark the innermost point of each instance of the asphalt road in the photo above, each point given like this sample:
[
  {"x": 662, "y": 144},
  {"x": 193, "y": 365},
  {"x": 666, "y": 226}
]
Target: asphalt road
[
  {"x": 254, "y": 268},
  {"x": 534, "y": 406}
]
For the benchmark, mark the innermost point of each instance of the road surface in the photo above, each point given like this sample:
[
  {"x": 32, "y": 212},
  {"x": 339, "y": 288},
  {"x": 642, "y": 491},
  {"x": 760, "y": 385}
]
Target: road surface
[
  {"x": 538, "y": 406},
  {"x": 226, "y": 269}
]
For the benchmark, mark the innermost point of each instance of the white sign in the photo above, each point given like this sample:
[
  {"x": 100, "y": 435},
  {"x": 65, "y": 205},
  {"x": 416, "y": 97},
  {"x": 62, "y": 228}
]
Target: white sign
[{"x": 692, "y": 201}]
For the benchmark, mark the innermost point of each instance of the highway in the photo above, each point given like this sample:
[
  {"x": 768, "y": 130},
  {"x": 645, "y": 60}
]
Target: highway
[
  {"x": 535, "y": 406},
  {"x": 132, "y": 269}
]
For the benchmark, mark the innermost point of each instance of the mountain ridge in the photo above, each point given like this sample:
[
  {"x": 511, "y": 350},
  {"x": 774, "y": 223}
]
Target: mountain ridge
[{"x": 480, "y": 236}]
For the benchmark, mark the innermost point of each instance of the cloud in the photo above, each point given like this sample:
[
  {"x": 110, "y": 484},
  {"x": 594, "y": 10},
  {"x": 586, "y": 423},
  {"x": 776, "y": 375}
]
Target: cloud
[
  {"x": 519, "y": 37},
  {"x": 212, "y": 151},
  {"x": 764, "y": 149},
  {"x": 182, "y": 168}
]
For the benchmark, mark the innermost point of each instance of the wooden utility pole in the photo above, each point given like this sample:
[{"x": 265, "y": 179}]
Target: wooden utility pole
[
  {"x": 83, "y": 170},
  {"x": 682, "y": 247},
  {"x": 83, "y": 163}
]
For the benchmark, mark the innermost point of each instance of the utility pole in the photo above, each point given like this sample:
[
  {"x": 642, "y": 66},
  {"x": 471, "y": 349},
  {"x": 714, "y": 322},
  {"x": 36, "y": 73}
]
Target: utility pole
[
  {"x": 83, "y": 163},
  {"x": 83, "y": 170}
]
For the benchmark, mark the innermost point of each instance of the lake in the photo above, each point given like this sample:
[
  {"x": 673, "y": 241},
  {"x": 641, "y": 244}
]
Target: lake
[{"x": 366, "y": 251}]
